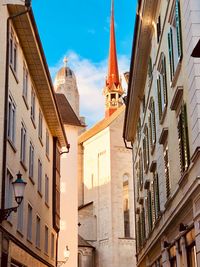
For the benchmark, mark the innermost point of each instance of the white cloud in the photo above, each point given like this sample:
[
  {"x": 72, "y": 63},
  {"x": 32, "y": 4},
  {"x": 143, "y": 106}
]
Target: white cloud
[{"x": 91, "y": 81}]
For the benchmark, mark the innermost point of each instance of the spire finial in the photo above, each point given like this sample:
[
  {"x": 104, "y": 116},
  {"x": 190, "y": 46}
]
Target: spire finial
[{"x": 65, "y": 60}]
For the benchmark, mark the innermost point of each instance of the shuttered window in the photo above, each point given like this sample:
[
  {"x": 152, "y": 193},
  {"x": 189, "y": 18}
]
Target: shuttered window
[
  {"x": 149, "y": 203},
  {"x": 143, "y": 227},
  {"x": 146, "y": 148},
  {"x": 162, "y": 86},
  {"x": 167, "y": 178},
  {"x": 183, "y": 139},
  {"x": 156, "y": 195},
  {"x": 152, "y": 124},
  {"x": 153, "y": 203},
  {"x": 175, "y": 39},
  {"x": 140, "y": 169}
]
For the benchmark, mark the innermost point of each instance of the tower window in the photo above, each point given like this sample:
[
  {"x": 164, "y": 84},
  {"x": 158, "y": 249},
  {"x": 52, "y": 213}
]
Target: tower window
[{"x": 113, "y": 96}]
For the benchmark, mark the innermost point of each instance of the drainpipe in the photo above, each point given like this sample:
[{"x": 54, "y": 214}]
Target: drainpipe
[{"x": 4, "y": 161}]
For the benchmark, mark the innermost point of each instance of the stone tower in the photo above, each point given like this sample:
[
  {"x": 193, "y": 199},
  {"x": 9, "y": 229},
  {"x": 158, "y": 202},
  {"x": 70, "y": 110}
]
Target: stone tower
[
  {"x": 113, "y": 90},
  {"x": 65, "y": 83}
]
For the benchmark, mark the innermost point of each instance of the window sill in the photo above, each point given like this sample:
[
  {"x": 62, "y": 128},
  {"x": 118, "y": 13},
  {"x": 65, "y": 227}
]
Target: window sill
[
  {"x": 46, "y": 253},
  {"x": 30, "y": 241},
  {"x": 183, "y": 177},
  {"x": 20, "y": 233},
  {"x": 14, "y": 74},
  {"x": 48, "y": 157},
  {"x": 32, "y": 181},
  {"x": 40, "y": 193},
  {"x": 40, "y": 140},
  {"x": 23, "y": 165},
  {"x": 33, "y": 121},
  {"x": 47, "y": 205},
  {"x": 39, "y": 248},
  {"x": 176, "y": 75},
  {"x": 163, "y": 115},
  {"x": 25, "y": 101},
  {"x": 12, "y": 145}
]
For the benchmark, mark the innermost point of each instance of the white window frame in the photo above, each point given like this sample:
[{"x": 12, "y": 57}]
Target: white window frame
[
  {"x": 40, "y": 176},
  {"x": 33, "y": 105},
  {"x": 29, "y": 222},
  {"x": 20, "y": 217},
  {"x": 13, "y": 51},
  {"x": 25, "y": 83},
  {"x": 38, "y": 232},
  {"x": 11, "y": 120},
  {"x": 31, "y": 161},
  {"x": 46, "y": 239},
  {"x": 47, "y": 142},
  {"x": 23, "y": 144},
  {"x": 46, "y": 189},
  {"x": 40, "y": 125}
]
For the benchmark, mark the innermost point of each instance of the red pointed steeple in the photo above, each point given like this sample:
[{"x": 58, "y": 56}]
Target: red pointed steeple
[
  {"x": 113, "y": 74},
  {"x": 113, "y": 89}
]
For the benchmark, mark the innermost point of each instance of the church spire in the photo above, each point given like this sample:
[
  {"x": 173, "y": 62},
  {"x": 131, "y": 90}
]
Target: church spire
[
  {"x": 113, "y": 74},
  {"x": 113, "y": 89}
]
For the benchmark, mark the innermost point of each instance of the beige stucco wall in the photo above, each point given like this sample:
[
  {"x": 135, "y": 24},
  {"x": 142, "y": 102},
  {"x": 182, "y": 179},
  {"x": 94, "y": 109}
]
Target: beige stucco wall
[
  {"x": 68, "y": 234},
  {"x": 31, "y": 196}
]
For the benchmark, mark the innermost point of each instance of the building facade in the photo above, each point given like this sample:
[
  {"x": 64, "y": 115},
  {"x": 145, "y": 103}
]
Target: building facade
[
  {"x": 162, "y": 124},
  {"x": 106, "y": 197},
  {"x": 68, "y": 102},
  {"x": 32, "y": 144}
]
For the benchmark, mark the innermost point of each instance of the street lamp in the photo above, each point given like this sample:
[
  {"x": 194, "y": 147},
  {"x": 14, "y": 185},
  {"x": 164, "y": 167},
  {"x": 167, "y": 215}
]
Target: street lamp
[
  {"x": 18, "y": 188},
  {"x": 66, "y": 257}
]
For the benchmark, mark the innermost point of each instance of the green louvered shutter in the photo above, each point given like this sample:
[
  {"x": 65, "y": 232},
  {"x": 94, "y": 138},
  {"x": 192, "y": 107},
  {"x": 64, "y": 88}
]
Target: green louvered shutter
[
  {"x": 167, "y": 178},
  {"x": 149, "y": 210},
  {"x": 153, "y": 203},
  {"x": 171, "y": 53},
  {"x": 185, "y": 140},
  {"x": 164, "y": 74},
  {"x": 159, "y": 98},
  {"x": 147, "y": 147},
  {"x": 153, "y": 122},
  {"x": 157, "y": 196},
  {"x": 180, "y": 142},
  {"x": 178, "y": 29},
  {"x": 150, "y": 130}
]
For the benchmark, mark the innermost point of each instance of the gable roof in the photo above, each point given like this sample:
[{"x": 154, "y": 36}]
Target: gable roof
[
  {"x": 67, "y": 113},
  {"x": 100, "y": 126}
]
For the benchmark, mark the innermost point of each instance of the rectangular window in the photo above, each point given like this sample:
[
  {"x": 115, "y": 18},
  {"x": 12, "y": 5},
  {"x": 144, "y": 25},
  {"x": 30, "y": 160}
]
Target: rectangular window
[
  {"x": 184, "y": 150},
  {"x": 20, "y": 217},
  {"x": 167, "y": 177},
  {"x": 31, "y": 161},
  {"x": 9, "y": 192},
  {"x": 11, "y": 120},
  {"x": 162, "y": 86},
  {"x": 40, "y": 125},
  {"x": 37, "y": 241},
  {"x": 39, "y": 176},
  {"x": 29, "y": 223},
  {"x": 152, "y": 124},
  {"x": 52, "y": 246},
  {"x": 33, "y": 105},
  {"x": 146, "y": 149},
  {"x": 158, "y": 29},
  {"x": 156, "y": 194},
  {"x": 23, "y": 144},
  {"x": 46, "y": 239},
  {"x": 47, "y": 142},
  {"x": 13, "y": 51},
  {"x": 175, "y": 39},
  {"x": 46, "y": 189},
  {"x": 25, "y": 83}
]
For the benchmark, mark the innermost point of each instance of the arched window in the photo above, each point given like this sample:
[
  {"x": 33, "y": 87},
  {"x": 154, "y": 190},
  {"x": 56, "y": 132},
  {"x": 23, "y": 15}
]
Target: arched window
[{"x": 126, "y": 205}]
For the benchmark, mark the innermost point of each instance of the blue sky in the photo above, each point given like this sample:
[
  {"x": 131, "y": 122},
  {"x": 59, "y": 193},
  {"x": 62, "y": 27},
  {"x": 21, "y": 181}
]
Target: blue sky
[{"x": 80, "y": 30}]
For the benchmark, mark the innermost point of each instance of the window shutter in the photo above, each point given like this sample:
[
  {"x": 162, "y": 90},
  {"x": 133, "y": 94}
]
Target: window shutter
[
  {"x": 149, "y": 211},
  {"x": 178, "y": 29},
  {"x": 185, "y": 140},
  {"x": 153, "y": 122},
  {"x": 181, "y": 149},
  {"x": 144, "y": 154},
  {"x": 143, "y": 225},
  {"x": 150, "y": 130},
  {"x": 147, "y": 146},
  {"x": 157, "y": 197},
  {"x": 166, "y": 161},
  {"x": 159, "y": 98},
  {"x": 153, "y": 203},
  {"x": 171, "y": 53},
  {"x": 164, "y": 74}
]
